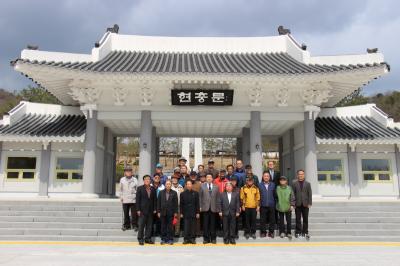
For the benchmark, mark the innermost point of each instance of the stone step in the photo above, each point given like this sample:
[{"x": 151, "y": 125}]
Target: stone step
[
  {"x": 60, "y": 225},
  {"x": 327, "y": 220},
  {"x": 117, "y": 226},
  {"x": 117, "y": 232},
  {"x": 336, "y": 238},
  {"x": 61, "y": 202},
  {"x": 61, "y": 208},
  {"x": 60, "y": 219},
  {"x": 118, "y": 208},
  {"x": 118, "y": 214},
  {"x": 62, "y": 213},
  {"x": 116, "y": 203}
]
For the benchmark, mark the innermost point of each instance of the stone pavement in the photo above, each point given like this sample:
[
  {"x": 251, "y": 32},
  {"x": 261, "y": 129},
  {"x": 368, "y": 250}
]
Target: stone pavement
[{"x": 124, "y": 253}]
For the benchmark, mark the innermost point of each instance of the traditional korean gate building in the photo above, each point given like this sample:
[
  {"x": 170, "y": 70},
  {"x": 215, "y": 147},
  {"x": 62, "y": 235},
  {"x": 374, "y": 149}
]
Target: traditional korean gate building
[{"x": 244, "y": 87}]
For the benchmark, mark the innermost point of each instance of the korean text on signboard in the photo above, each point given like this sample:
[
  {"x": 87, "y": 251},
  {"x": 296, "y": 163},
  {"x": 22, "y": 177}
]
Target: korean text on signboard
[{"x": 201, "y": 97}]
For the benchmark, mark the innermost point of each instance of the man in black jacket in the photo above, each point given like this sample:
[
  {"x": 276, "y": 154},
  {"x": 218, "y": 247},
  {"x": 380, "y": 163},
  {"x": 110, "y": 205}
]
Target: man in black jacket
[
  {"x": 146, "y": 202},
  {"x": 167, "y": 210},
  {"x": 303, "y": 194},
  {"x": 190, "y": 211}
]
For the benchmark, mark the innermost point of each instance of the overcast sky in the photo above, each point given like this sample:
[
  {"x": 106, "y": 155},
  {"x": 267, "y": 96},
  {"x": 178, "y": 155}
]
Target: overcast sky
[{"x": 327, "y": 27}]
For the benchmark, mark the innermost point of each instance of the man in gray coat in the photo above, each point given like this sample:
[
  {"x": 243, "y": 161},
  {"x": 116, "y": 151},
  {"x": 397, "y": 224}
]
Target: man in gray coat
[
  {"x": 229, "y": 210},
  {"x": 209, "y": 207},
  {"x": 128, "y": 187},
  {"x": 303, "y": 194}
]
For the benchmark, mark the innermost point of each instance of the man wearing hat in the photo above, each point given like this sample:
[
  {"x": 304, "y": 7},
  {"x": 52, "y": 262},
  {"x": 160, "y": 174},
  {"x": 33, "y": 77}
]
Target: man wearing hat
[
  {"x": 250, "y": 198},
  {"x": 178, "y": 189},
  {"x": 285, "y": 204},
  {"x": 211, "y": 170},
  {"x": 159, "y": 171},
  {"x": 128, "y": 187},
  {"x": 221, "y": 180},
  {"x": 181, "y": 161}
]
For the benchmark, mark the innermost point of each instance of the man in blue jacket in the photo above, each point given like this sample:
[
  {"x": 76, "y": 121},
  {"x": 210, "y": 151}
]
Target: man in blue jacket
[
  {"x": 267, "y": 205},
  {"x": 240, "y": 173}
]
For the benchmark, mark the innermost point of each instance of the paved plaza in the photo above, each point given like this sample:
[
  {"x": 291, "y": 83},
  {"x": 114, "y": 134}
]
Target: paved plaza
[{"x": 112, "y": 253}]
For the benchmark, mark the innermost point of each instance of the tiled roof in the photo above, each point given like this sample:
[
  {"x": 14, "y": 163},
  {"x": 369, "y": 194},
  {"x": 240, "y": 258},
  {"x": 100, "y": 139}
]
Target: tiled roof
[
  {"x": 162, "y": 62},
  {"x": 43, "y": 125},
  {"x": 360, "y": 128}
]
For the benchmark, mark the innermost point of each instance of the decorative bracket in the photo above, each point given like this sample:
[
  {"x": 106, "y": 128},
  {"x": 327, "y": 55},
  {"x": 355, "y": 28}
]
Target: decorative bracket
[
  {"x": 255, "y": 95},
  {"x": 120, "y": 95},
  {"x": 146, "y": 96},
  {"x": 282, "y": 96}
]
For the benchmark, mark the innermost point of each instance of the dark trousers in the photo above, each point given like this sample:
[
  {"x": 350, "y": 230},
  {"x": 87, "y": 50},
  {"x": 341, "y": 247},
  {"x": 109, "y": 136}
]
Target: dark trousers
[
  {"x": 167, "y": 228},
  {"x": 156, "y": 225},
  {"x": 301, "y": 212},
  {"x": 128, "y": 221},
  {"x": 189, "y": 232},
  {"x": 288, "y": 217},
  {"x": 251, "y": 216},
  {"x": 145, "y": 226},
  {"x": 229, "y": 226},
  {"x": 209, "y": 231},
  {"x": 267, "y": 216}
]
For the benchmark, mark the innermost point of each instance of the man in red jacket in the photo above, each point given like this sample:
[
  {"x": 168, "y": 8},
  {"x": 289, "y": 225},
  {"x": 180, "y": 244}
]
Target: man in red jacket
[{"x": 221, "y": 180}]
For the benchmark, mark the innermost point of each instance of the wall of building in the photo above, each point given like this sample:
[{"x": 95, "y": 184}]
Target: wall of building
[
  {"x": 64, "y": 150},
  {"x": 10, "y": 149},
  {"x": 370, "y": 188},
  {"x": 336, "y": 188}
]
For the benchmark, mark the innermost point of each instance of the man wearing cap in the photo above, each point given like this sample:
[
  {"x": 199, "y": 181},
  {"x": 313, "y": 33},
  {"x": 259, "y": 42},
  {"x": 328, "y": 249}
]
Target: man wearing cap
[
  {"x": 177, "y": 173},
  {"x": 178, "y": 189},
  {"x": 209, "y": 199},
  {"x": 221, "y": 180},
  {"x": 128, "y": 188},
  {"x": 181, "y": 161},
  {"x": 159, "y": 170},
  {"x": 146, "y": 202},
  {"x": 196, "y": 186},
  {"x": 211, "y": 170},
  {"x": 250, "y": 197}
]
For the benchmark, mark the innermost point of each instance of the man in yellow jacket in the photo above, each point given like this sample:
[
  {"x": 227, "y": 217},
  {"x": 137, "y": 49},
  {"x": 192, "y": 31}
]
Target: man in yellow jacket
[{"x": 250, "y": 197}]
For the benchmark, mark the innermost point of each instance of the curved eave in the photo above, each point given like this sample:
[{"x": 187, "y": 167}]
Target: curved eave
[
  {"x": 371, "y": 72},
  {"x": 389, "y": 141},
  {"x": 41, "y": 139}
]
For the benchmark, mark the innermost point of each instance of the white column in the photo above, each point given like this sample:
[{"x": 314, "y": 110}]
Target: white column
[
  {"x": 198, "y": 152},
  {"x": 89, "y": 161},
  {"x": 353, "y": 172},
  {"x": 310, "y": 155},
  {"x": 186, "y": 150},
  {"x": 146, "y": 137},
  {"x": 44, "y": 177},
  {"x": 153, "y": 151},
  {"x": 256, "y": 159},
  {"x": 397, "y": 155}
]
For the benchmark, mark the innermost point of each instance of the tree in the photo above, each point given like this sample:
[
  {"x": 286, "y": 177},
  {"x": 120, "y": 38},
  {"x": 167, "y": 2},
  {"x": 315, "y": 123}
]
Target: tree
[
  {"x": 37, "y": 95},
  {"x": 356, "y": 98}
]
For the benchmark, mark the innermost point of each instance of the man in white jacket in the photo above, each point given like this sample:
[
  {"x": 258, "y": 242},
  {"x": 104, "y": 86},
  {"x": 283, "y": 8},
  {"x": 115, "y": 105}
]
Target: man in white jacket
[{"x": 128, "y": 187}]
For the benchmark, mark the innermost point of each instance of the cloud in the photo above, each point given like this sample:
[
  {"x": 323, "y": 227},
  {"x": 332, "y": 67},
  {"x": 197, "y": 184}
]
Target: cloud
[{"x": 328, "y": 27}]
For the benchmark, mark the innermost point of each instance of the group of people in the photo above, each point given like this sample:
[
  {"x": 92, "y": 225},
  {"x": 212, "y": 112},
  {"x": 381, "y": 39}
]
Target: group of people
[{"x": 210, "y": 202}]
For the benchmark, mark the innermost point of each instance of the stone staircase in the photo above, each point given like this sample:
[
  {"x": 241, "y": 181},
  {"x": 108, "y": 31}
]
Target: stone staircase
[{"x": 100, "y": 220}]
